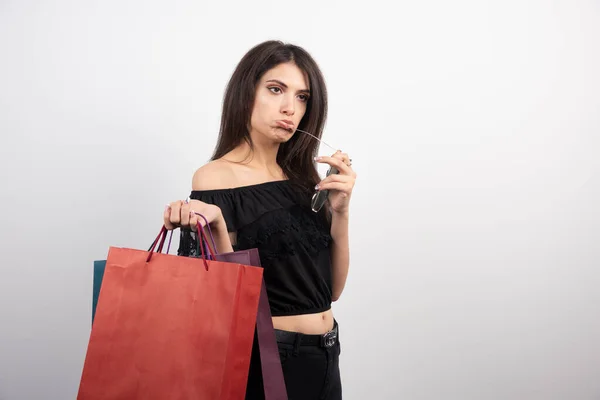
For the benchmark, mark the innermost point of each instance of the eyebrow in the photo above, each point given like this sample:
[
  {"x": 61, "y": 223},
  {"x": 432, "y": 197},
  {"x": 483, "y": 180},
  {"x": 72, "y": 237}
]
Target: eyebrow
[{"x": 286, "y": 86}]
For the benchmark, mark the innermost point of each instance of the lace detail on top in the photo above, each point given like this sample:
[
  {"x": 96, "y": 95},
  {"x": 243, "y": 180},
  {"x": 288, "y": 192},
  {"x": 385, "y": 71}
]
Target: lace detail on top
[
  {"x": 283, "y": 233},
  {"x": 292, "y": 240}
]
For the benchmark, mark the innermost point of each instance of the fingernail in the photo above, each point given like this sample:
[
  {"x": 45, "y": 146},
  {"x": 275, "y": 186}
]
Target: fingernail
[
  {"x": 317, "y": 158},
  {"x": 317, "y": 187}
]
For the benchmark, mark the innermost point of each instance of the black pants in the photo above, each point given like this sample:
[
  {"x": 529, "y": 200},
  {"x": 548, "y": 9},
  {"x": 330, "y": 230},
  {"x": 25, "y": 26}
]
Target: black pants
[{"x": 311, "y": 371}]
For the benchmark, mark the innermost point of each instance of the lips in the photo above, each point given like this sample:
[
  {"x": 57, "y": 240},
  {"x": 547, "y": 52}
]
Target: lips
[{"x": 285, "y": 123}]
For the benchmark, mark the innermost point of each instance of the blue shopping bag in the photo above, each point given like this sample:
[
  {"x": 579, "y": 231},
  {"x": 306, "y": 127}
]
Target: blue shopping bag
[{"x": 99, "y": 267}]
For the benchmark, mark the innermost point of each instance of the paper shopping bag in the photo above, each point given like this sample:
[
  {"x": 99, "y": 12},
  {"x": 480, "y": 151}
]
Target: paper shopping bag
[
  {"x": 99, "y": 267},
  {"x": 272, "y": 373},
  {"x": 171, "y": 327}
]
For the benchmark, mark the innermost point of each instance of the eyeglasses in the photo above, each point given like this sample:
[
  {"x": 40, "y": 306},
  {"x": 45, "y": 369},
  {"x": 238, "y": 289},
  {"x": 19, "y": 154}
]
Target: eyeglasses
[{"x": 320, "y": 197}]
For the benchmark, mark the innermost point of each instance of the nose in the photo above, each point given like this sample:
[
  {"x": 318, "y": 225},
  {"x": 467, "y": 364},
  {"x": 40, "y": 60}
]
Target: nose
[{"x": 287, "y": 105}]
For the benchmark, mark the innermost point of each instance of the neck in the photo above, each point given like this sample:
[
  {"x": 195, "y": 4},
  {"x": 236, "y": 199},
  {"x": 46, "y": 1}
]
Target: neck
[{"x": 263, "y": 155}]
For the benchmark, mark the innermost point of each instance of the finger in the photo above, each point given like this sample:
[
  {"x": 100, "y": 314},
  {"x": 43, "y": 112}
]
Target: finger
[
  {"x": 346, "y": 159},
  {"x": 336, "y": 178},
  {"x": 175, "y": 216},
  {"x": 346, "y": 182},
  {"x": 185, "y": 214},
  {"x": 334, "y": 162},
  {"x": 342, "y": 156},
  {"x": 343, "y": 187},
  {"x": 167, "y": 218},
  {"x": 193, "y": 221}
]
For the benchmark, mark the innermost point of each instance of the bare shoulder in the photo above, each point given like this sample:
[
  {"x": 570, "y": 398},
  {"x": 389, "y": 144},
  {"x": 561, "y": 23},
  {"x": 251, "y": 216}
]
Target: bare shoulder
[{"x": 214, "y": 175}]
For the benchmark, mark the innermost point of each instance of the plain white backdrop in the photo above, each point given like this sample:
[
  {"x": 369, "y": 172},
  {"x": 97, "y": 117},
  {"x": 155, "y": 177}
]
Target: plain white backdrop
[{"x": 474, "y": 129}]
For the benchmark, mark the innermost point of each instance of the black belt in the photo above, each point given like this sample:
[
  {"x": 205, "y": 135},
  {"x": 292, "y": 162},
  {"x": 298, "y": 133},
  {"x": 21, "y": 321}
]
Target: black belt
[{"x": 327, "y": 339}]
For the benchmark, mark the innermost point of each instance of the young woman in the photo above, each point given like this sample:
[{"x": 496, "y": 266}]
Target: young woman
[{"x": 257, "y": 192}]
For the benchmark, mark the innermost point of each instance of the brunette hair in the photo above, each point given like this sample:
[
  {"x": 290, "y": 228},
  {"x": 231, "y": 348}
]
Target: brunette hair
[{"x": 296, "y": 156}]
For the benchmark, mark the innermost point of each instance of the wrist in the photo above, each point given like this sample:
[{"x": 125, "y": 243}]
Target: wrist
[
  {"x": 343, "y": 214},
  {"x": 219, "y": 223},
  {"x": 223, "y": 242}
]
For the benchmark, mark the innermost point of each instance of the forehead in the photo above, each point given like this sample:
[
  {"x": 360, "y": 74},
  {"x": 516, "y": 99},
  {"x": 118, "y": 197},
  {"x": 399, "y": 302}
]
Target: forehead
[{"x": 288, "y": 73}]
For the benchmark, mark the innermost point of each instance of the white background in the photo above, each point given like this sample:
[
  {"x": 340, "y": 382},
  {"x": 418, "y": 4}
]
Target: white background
[{"x": 473, "y": 127}]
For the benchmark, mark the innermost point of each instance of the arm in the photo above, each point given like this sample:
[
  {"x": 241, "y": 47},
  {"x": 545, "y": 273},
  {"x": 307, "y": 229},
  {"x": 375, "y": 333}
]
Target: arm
[
  {"x": 340, "y": 185},
  {"x": 207, "y": 178},
  {"x": 222, "y": 238},
  {"x": 340, "y": 252}
]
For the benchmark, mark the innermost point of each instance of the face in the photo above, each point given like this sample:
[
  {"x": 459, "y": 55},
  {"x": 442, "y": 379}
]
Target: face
[{"x": 280, "y": 103}]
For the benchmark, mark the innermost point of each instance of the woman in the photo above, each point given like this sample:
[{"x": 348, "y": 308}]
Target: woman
[{"x": 256, "y": 193}]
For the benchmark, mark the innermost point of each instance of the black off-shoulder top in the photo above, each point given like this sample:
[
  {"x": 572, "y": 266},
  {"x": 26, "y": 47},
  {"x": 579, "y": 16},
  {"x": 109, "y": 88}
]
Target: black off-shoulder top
[{"x": 292, "y": 240}]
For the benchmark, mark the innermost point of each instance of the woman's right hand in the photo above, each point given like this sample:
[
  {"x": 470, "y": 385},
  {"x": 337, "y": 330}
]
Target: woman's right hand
[{"x": 181, "y": 214}]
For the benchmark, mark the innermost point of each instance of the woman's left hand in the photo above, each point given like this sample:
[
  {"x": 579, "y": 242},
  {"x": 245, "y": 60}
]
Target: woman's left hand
[{"x": 340, "y": 185}]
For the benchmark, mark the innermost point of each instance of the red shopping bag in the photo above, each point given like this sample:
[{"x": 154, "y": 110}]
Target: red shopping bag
[{"x": 171, "y": 327}]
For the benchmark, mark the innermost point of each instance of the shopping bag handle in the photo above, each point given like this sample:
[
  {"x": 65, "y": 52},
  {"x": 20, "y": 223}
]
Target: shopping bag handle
[
  {"x": 162, "y": 235},
  {"x": 160, "y": 246},
  {"x": 212, "y": 238},
  {"x": 202, "y": 236}
]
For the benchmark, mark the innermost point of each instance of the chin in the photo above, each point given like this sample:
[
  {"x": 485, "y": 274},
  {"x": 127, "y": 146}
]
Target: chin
[
  {"x": 282, "y": 136},
  {"x": 276, "y": 135}
]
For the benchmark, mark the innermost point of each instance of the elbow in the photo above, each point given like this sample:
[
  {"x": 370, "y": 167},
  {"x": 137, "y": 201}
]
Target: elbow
[{"x": 336, "y": 292}]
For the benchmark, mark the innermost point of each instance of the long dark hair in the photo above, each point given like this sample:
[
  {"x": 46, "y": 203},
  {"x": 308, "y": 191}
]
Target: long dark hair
[{"x": 295, "y": 157}]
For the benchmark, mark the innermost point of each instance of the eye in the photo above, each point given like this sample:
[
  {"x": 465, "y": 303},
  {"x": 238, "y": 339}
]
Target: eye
[
  {"x": 275, "y": 89},
  {"x": 304, "y": 98}
]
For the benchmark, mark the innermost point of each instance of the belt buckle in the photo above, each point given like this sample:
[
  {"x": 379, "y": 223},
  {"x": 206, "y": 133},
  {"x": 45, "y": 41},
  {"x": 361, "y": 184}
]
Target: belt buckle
[{"x": 328, "y": 339}]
